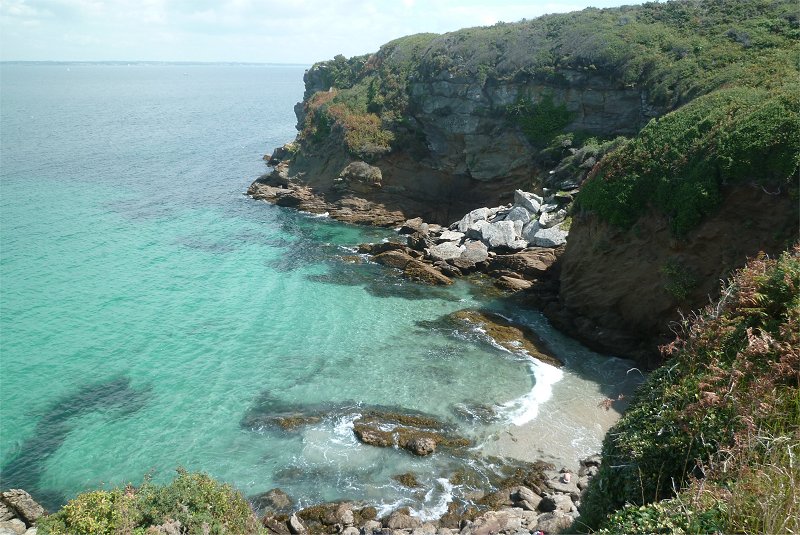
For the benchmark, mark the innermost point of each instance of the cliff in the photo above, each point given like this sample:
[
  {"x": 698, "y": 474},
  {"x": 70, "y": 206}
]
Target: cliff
[{"x": 701, "y": 98}]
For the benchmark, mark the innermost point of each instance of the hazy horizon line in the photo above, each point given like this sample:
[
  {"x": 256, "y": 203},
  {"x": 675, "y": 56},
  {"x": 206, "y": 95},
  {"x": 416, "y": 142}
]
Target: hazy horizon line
[{"x": 152, "y": 62}]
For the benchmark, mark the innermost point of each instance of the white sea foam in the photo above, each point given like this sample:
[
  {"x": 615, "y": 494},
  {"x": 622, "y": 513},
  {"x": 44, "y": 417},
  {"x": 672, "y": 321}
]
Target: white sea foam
[
  {"x": 440, "y": 496},
  {"x": 343, "y": 429},
  {"x": 526, "y": 408},
  {"x": 323, "y": 215}
]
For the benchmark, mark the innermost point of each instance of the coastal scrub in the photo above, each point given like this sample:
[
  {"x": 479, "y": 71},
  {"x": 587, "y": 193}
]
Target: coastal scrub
[{"x": 714, "y": 430}]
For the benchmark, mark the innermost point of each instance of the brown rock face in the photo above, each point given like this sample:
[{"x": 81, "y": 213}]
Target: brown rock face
[
  {"x": 419, "y": 435},
  {"x": 530, "y": 262},
  {"x": 619, "y": 290},
  {"x": 412, "y": 268}
]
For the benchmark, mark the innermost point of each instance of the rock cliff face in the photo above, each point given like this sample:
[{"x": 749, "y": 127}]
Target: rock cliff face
[
  {"x": 468, "y": 132},
  {"x": 463, "y": 149}
]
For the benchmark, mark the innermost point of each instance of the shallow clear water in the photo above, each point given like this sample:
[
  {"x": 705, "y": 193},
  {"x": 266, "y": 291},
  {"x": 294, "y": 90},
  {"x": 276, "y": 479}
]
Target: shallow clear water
[{"x": 146, "y": 304}]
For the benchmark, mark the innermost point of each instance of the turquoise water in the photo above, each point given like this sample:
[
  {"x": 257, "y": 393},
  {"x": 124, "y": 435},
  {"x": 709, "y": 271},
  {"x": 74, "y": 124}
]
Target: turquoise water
[{"x": 146, "y": 304}]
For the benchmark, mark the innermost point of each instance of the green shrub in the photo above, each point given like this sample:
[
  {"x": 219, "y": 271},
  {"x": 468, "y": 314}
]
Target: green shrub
[
  {"x": 199, "y": 503},
  {"x": 98, "y": 512},
  {"x": 540, "y": 121},
  {"x": 679, "y": 280},
  {"x": 673, "y": 517}
]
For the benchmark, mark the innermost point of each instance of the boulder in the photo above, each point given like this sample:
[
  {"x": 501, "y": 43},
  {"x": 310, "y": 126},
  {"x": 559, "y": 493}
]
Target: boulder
[
  {"x": 530, "y": 230},
  {"x": 360, "y": 177},
  {"x": 373, "y": 436},
  {"x": 556, "y": 502},
  {"x": 422, "y": 272},
  {"x": 493, "y": 522},
  {"x": 549, "y": 206},
  {"x": 344, "y": 513},
  {"x": 499, "y": 234},
  {"x": 447, "y": 269},
  {"x": 399, "y": 520},
  {"x": 530, "y": 201},
  {"x": 371, "y": 526},
  {"x": 518, "y": 213},
  {"x": 514, "y": 337},
  {"x": 479, "y": 214},
  {"x": 475, "y": 252},
  {"x": 555, "y": 522},
  {"x": 451, "y": 235},
  {"x": 26, "y": 508},
  {"x": 425, "y": 529},
  {"x": 420, "y": 241},
  {"x": 381, "y": 247},
  {"x": 446, "y": 251},
  {"x": 550, "y": 219},
  {"x": 272, "y": 500},
  {"x": 395, "y": 258},
  {"x": 351, "y": 530},
  {"x": 512, "y": 284},
  {"x": 412, "y": 268},
  {"x": 528, "y": 499},
  {"x": 418, "y": 434},
  {"x": 557, "y": 484},
  {"x": 6, "y": 513},
  {"x": 296, "y": 526},
  {"x": 15, "y": 526},
  {"x": 421, "y": 446},
  {"x": 475, "y": 230},
  {"x": 530, "y": 262},
  {"x": 549, "y": 237},
  {"x": 414, "y": 225},
  {"x": 275, "y": 524}
]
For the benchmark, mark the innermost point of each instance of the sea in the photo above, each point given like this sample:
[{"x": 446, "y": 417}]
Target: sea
[{"x": 150, "y": 312}]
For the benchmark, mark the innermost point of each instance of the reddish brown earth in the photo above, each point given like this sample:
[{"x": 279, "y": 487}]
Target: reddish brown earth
[{"x": 612, "y": 283}]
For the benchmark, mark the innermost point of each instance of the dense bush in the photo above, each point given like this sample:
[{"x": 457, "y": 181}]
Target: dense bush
[
  {"x": 540, "y": 121},
  {"x": 679, "y": 163},
  {"x": 729, "y": 393},
  {"x": 193, "y": 502}
]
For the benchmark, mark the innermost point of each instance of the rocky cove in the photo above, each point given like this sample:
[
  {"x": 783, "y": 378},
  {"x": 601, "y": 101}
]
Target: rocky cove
[
  {"x": 499, "y": 167},
  {"x": 601, "y": 172},
  {"x": 483, "y": 179},
  {"x": 515, "y": 246}
]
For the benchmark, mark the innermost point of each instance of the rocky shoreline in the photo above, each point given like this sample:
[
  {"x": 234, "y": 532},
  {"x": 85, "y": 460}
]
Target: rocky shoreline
[
  {"x": 515, "y": 244},
  {"x": 535, "y": 498}
]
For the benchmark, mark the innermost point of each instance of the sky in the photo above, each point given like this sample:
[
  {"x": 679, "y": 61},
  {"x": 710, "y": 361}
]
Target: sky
[{"x": 262, "y": 31}]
